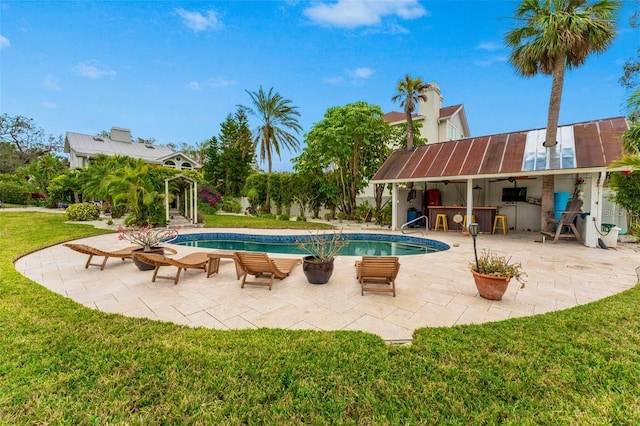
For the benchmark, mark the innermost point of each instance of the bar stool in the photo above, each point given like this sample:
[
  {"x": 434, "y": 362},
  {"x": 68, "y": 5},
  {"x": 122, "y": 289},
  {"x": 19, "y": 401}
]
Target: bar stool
[
  {"x": 441, "y": 220},
  {"x": 503, "y": 222},
  {"x": 464, "y": 221}
]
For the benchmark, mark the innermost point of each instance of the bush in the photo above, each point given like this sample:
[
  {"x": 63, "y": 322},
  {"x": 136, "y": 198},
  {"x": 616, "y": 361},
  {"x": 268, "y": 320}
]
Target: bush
[
  {"x": 210, "y": 196},
  {"x": 13, "y": 192},
  {"x": 230, "y": 205},
  {"x": 267, "y": 215},
  {"x": 283, "y": 217},
  {"x": 301, "y": 218},
  {"x": 83, "y": 211}
]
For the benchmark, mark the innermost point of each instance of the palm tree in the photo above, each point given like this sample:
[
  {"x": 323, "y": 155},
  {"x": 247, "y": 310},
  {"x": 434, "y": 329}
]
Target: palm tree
[
  {"x": 277, "y": 115},
  {"x": 556, "y": 35},
  {"x": 410, "y": 93}
]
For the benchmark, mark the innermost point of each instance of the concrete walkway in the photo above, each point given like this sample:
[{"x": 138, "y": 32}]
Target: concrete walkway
[{"x": 432, "y": 290}]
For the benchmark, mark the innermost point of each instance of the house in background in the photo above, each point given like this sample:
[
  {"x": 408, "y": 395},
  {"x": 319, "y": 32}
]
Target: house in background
[
  {"x": 82, "y": 148},
  {"x": 439, "y": 123}
]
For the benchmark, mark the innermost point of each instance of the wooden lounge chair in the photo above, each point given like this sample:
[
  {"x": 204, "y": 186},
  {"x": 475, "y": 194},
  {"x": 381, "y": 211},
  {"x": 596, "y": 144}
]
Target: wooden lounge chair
[
  {"x": 565, "y": 221},
  {"x": 197, "y": 260},
  {"x": 261, "y": 265},
  {"x": 378, "y": 273},
  {"x": 124, "y": 253}
]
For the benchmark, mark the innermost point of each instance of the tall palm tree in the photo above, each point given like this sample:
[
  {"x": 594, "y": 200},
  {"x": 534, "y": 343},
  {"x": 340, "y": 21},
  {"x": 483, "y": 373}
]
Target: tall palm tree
[
  {"x": 277, "y": 116},
  {"x": 410, "y": 93},
  {"x": 556, "y": 35}
]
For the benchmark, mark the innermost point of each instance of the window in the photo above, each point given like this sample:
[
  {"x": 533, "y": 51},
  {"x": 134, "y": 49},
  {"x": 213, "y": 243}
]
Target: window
[{"x": 169, "y": 163}]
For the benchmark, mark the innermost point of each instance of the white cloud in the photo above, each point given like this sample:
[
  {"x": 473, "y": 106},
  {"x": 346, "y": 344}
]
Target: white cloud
[
  {"x": 360, "y": 73},
  {"x": 193, "y": 85},
  {"x": 51, "y": 83},
  {"x": 333, "y": 80},
  {"x": 490, "y": 46},
  {"x": 4, "y": 42},
  {"x": 219, "y": 82},
  {"x": 199, "y": 22},
  {"x": 359, "y": 13},
  {"x": 490, "y": 60},
  {"x": 49, "y": 105},
  {"x": 94, "y": 70}
]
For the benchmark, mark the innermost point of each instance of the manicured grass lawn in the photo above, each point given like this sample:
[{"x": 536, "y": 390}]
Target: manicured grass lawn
[{"x": 62, "y": 363}]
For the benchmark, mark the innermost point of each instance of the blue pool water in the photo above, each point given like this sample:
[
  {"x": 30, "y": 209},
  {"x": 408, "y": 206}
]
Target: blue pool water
[{"x": 359, "y": 244}]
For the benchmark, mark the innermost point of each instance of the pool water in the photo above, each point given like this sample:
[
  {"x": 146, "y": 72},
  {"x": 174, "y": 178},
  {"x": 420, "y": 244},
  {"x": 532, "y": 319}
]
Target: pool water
[{"x": 359, "y": 244}]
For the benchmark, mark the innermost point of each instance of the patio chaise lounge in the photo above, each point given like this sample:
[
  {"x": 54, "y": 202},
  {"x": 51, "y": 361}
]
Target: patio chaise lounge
[
  {"x": 261, "y": 265},
  {"x": 198, "y": 260},
  {"x": 378, "y": 274},
  {"x": 565, "y": 221},
  {"x": 124, "y": 253}
]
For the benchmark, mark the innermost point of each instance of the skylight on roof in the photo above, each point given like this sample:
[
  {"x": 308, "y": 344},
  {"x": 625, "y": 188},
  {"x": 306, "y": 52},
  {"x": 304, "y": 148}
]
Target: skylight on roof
[{"x": 537, "y": 157}]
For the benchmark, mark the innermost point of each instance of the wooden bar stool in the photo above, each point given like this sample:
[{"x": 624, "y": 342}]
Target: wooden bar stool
[
  {"x": 464, "y": 221},
  {"x": 503, "y": 222},
  {"x": 441, "y": 220}
]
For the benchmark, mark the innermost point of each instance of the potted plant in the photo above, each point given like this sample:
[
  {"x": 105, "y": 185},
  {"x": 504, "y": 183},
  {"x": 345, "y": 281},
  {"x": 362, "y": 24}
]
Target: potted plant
[
  {"x": 149, "y": 240},
  {"x": 322, "y": 249},
  {"x": 492, "y": 274}
]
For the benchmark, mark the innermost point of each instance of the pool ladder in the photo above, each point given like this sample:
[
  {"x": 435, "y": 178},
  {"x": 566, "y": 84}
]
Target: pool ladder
[{"x": 426, "y": 221}]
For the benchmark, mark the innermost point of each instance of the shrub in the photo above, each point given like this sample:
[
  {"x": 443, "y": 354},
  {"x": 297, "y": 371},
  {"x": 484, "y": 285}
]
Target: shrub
[
  {"x": 13, "y": 192},
  {"x": 301, "y": 218},
  {"x": 210, "y": 196},
  {"x": 328, "y": 216},
  {"x": 230, "y": 205},
  {"x": 283, "y": 217},
  {"x": 83, "y": 211},
  {"x": 267, "y": 215}
]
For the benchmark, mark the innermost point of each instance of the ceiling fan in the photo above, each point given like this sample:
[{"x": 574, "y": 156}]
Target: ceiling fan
[{"x": 514, "y": 178}]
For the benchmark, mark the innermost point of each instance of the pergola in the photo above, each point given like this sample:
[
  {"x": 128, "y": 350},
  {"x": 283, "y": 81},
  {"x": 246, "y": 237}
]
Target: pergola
[{"x": 190, "y": 196}]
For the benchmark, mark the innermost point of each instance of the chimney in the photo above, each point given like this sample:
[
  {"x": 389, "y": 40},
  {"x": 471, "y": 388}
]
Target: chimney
[{"x": 119, "y": 134}]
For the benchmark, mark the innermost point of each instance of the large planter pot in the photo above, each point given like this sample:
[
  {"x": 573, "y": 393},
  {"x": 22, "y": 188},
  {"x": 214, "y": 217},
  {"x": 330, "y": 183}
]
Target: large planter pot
[
  {"x": 317, "y": 272},
  {"x": 142, "y": 265},
  {"x": 489, "y": 286}
]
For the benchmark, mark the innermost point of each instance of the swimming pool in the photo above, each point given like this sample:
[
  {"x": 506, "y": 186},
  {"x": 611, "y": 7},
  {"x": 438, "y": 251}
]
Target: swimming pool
[{"x": 359, "y": 244}]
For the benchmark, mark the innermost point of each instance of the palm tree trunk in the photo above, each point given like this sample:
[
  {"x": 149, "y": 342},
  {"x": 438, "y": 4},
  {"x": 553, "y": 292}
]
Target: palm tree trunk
[
  {"x": 409, "y": 130},
  {"x": 550, "y": 141}
]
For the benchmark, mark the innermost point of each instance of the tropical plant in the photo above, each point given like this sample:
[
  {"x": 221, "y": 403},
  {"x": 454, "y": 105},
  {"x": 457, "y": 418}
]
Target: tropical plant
[
  {"x": 489, "y": 263},
  {"x": 349, "y": 143},
  {"x": 410, "y": 92},
  {"x": 552, "y": 36},
  {"x": 277, "y": 117},
  {"x": 323, "y": 247},
  {"x": 147, "y": 236},
  {"x": 83, "y": 212}
]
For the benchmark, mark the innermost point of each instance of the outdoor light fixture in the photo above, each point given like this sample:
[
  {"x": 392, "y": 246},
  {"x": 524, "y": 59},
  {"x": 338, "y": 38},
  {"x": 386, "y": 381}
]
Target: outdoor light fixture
[{"x": 474, "y": 230}]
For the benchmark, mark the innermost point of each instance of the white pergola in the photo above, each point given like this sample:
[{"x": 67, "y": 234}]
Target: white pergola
[{"x": 190, "y": 198}]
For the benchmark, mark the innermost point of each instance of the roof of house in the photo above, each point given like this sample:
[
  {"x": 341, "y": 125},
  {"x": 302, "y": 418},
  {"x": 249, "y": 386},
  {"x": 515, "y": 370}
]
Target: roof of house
[
  {"x": 87, "y": 145},
  {"x": 587, "y": 145},
  {"x": 397, "y": 116}
]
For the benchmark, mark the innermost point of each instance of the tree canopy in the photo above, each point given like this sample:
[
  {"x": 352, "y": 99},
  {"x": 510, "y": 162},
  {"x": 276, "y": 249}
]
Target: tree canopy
[{"x": 351, "y": 143}]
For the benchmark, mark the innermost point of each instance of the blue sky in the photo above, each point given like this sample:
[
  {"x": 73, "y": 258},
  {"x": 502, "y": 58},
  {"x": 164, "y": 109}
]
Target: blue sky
[{"x": 174, "y": 70}]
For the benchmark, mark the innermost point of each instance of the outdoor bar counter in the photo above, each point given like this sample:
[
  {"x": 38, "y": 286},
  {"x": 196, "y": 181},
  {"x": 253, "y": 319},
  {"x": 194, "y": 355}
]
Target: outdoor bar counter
[{"x": 484, "y": 216}]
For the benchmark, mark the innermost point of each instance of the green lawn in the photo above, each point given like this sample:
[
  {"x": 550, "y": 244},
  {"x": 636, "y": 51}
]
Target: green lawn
[{"x": 62, "y": 363}]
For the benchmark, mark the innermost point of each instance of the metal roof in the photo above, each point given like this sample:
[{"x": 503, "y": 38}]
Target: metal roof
[
  {"x": 88, "y": 146},
  {"x": 588, "y": 145}
]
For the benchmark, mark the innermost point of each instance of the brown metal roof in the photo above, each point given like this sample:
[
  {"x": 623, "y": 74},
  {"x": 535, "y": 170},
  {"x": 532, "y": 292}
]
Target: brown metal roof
[{"x": 587, "y": 145}]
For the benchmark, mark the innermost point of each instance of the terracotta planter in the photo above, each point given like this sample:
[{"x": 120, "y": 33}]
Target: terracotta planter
[
  {"x": 489, "y": 286},
  {"x": 317, "y": 272},
  {"x": 142, "y": 265}
]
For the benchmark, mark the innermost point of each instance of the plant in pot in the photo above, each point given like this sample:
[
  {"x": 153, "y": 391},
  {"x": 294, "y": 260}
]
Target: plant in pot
[
  {"x": 492, "y": 274},
  {"x": 149, "y": 240},
  {"x": 322, "y": 249}
]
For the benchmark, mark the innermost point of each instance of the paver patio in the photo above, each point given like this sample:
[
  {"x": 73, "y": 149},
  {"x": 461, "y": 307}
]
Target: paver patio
[{"x": 432, "y": 290}]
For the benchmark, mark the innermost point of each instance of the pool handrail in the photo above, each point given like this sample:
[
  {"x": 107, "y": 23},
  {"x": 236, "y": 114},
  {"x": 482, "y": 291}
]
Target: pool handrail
[{"x": 426, "y": 221}]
